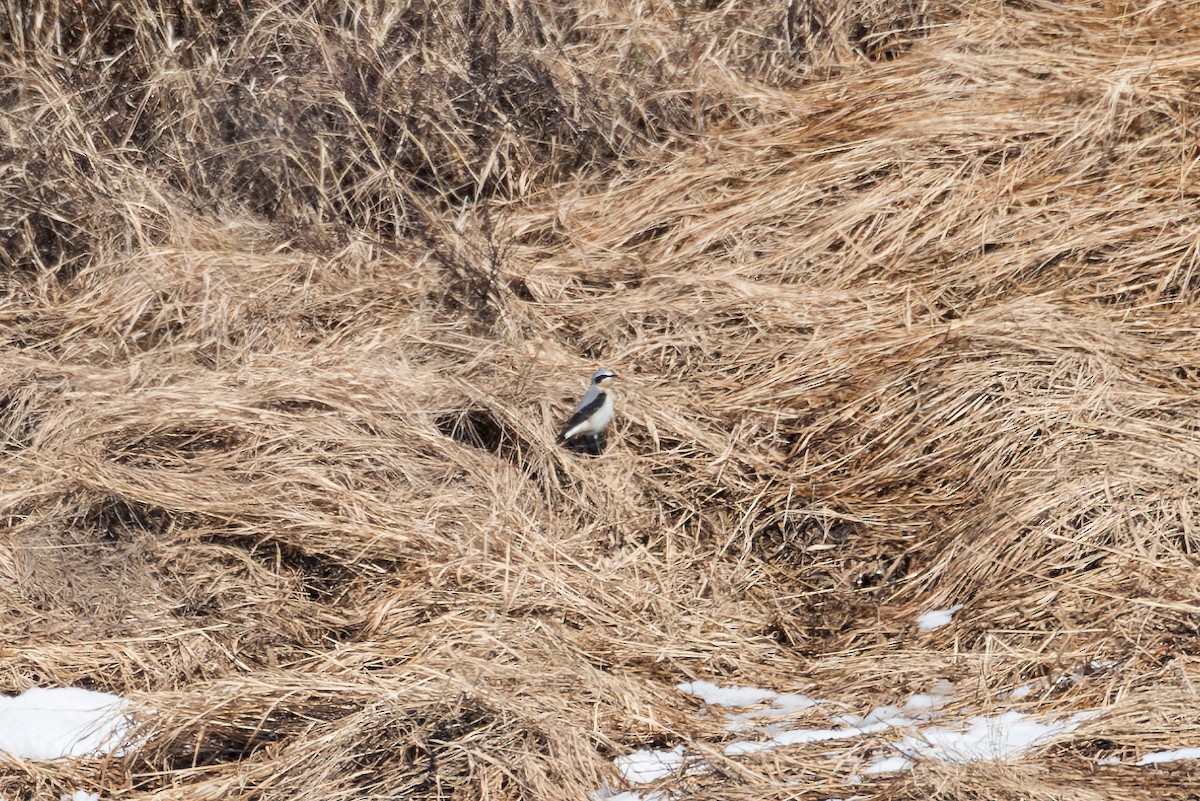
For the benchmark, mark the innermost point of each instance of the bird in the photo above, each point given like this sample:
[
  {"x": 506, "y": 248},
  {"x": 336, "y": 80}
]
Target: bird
[{"x": 593, "y": 413}]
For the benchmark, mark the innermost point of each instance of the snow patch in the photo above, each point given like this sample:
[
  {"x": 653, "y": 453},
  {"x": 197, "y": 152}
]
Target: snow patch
[
  {"x": 1017, "y": 693},
  {"x": 892, "y": 764},
  {"x": 782, "y": 704},
  {"x": 918, "y": 707},
  {"x": 1159, "y": 757},
  {"x": 799, "y": 736},
  {"x": 62, "y": 722},
  {"x": 725, "y": 696},
  {"x": 937, "y": 618},
  {"x": 1002, "y": 738},
  {"x": 648, "y": 765}
]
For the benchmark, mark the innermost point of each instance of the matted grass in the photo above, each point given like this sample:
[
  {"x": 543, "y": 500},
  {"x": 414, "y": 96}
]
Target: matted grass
[{"x": 904, "y": 301}]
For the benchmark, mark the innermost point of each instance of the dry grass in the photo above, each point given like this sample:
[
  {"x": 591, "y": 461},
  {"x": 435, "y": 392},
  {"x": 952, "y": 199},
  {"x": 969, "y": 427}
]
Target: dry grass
[{"x": 905, "y": 295}]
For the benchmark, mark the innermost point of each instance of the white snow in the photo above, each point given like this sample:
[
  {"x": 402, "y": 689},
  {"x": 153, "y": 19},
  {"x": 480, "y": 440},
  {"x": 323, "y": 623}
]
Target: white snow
[
  {"x": 892, "y": 764},
  {"x": 1159, "y": 757},
  {"x": 925, "y": 730},
  {"x": 937, "y": 618},
  {"x": 782, "y": 704},
  {"x": 62, "y": 722},
  {"x": 799, "y": 736},
  {"x": 725, "y": 696},
  {"x": 647, "y": 765},
  {"x": 1002, "y": 738},
  {"x": 876, "y": 715},
  {"x": 982, "y": 739},
  {"x": 788, "y": 703},
  {"x": 80, "y": 795},
  {"x": 927, "y": 704},
  {"x": 918, "y": 707}
]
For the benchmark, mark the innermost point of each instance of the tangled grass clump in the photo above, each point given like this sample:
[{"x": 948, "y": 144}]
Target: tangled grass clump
[{"x": 903, "y": 297}]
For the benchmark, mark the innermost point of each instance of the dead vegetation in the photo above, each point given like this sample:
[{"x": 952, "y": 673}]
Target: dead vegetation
[{"x": 904, "y": 295}]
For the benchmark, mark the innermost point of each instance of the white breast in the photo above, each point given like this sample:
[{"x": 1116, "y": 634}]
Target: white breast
[
  {"x": 594, "y": 424},
  {"x": 603, "y": 417}
]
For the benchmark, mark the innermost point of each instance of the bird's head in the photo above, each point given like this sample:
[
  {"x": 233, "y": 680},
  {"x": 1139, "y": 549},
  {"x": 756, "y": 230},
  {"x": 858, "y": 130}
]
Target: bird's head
[{"x": 603, "y": 377}]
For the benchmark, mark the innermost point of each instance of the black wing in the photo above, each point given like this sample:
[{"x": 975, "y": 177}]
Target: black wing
[{"x": 584, "y": 412}]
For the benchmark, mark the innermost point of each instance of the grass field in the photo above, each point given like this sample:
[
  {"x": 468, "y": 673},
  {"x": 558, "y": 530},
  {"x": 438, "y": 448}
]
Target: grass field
[{"x": 904, "y": 297}]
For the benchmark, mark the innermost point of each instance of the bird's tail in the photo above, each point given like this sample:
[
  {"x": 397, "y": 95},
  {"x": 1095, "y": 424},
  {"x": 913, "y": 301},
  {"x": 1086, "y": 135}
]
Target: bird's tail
[{"x": 570, "y": 432}]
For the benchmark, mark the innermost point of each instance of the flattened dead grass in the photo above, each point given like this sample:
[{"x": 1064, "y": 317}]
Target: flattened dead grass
[{"x": 904, "y": 301}]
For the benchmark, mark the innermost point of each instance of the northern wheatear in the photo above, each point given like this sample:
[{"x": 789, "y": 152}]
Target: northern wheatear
[{"x": 593, "y": 413}]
